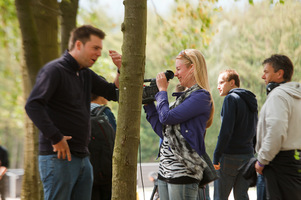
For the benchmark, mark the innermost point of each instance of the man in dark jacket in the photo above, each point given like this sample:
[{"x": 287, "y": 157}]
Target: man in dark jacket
[
  {"x": 101, "y": 147},
  {"x": 235, "y": 141},
  {"x": 59, "y": 105}
]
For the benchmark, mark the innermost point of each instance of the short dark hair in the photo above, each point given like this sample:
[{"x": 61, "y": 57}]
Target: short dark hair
[
  {"x": 83, "y": 34},
  {"x": 283, "y": 62},
  {"x": 232, "y": 75}
]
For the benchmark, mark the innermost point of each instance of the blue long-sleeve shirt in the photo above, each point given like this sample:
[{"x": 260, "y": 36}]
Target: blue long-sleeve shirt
[
  {"x": 193, "y": 114},
  {"x": 59, "y": 104},
  {"x": 239, "y": 117}
]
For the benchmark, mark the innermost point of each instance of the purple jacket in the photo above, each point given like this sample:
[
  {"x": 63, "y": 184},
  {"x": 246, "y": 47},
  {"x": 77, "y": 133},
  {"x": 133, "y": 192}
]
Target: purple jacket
[{"x": 193, "y": 114}]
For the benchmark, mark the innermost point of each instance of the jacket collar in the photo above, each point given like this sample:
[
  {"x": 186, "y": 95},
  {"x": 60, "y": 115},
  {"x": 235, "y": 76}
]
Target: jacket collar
[{"x": 72, "y": 63}]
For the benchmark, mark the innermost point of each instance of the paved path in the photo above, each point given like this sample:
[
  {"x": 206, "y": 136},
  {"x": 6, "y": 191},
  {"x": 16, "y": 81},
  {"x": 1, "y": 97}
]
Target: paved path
[{"x": 148, "y": 192}]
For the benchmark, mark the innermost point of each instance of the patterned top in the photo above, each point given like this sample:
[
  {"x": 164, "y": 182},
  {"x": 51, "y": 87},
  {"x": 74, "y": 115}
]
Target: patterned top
[{"x": 170, "y": 167}]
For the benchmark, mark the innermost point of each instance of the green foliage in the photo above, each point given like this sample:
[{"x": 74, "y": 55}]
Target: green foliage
[
  {"x": 244, "y": 40},
  {"x": 11, "y": 101},
  {"x": 189, "y": 26}
]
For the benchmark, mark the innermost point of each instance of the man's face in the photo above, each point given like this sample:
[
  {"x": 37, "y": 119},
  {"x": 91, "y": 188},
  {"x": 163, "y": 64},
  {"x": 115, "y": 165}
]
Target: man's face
[
  {"x": 269, "y": 75},
  {"x": 90, "y": 51},
  {"x": 223, "y": 85}
]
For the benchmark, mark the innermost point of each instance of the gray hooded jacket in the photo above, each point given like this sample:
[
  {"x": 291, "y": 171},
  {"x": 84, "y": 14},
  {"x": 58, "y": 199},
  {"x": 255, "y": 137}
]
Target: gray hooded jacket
[{"x": 278, "y": 126}]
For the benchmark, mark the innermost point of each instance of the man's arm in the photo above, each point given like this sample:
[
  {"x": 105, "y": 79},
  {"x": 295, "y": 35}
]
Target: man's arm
[
  {"x": 116, "y": 58},
  {"x": 35, "y": 107},
  {"x": 272, "y": 128},
  {"x": 45, "y": 86},
  {"x": 227, "y": 126},
  {"x": 103, "y": 88},
  {"x": 4, "y": 159},
  {"x": 259, "y": 167},
  {"x": 2, "y": 171}
]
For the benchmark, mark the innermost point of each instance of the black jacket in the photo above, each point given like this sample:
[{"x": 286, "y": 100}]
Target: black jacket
[
  {"x": 239, "y": 121},
  {"x": 4, "y": 157},
  {"x": 59, "y": 104}
]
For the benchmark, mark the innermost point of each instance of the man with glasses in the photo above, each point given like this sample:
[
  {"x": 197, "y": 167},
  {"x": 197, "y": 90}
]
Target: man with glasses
[
  {"x": 278, "y": 131},
  {"x": 235, "y": 141}
]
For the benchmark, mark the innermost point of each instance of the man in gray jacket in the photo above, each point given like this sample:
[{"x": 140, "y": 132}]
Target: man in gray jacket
[{"x": 278, "y": 131}]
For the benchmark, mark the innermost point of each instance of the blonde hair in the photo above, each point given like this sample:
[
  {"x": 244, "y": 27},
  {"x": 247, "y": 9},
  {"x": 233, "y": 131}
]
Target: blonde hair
[{"x": 195, "y": 57}]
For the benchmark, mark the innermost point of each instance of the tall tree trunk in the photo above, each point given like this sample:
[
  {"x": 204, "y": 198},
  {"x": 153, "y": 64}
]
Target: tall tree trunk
[
  {"x": 38, "y": 24},
  {"x": 130, "y": 93},
  {"x": 31, "y": 179},
  {"x": 46, "y": 13},
  {"x": 68, "y": 20},
  {"x": 30, "y": 40}
]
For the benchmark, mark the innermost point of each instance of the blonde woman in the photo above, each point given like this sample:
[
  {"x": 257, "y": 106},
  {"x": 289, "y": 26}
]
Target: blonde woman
[{"x": 182, "y": 127}]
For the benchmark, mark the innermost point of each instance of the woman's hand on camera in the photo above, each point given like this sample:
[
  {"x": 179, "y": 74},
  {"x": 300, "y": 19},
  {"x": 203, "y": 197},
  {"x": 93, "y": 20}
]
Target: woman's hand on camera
[{"x": 161, "y": 81}]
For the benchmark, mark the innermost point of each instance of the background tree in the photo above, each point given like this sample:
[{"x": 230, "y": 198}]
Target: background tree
[
  {"x": 68, "y": 12},
  {"x": 39, "y": 28}
]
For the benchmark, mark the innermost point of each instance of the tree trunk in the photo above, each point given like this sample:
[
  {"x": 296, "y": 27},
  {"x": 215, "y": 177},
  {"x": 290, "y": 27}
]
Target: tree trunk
[
  {"x": 38, "y": 24},
  {"x": 46, "y": 13},
  {"x": 29, "y": 39},
  {"x": 31, "y": 179},
  {"x": 68, "y": 20},
  {"x": 130, "y": 98}
]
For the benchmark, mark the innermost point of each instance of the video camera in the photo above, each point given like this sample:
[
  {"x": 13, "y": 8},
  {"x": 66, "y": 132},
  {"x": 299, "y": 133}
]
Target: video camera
[{"x": 150, "y": 91}]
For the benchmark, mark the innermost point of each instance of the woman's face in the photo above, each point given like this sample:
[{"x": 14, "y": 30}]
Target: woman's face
[{"x": 184, "y": 73}]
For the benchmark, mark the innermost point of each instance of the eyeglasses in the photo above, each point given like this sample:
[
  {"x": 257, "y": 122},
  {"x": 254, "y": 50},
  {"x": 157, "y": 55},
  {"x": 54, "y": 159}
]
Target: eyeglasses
[{"x": 182, "y": 53}]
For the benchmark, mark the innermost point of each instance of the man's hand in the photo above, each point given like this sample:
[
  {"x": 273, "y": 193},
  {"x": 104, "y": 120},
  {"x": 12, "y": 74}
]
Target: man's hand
[
  {"x": 259, "y": 167},
  {"x": 62, "y": 148},
  {"x": 116, "y": 58},
  {"x": 217, "y": 167},
  {"x": 2, "y": 171}
]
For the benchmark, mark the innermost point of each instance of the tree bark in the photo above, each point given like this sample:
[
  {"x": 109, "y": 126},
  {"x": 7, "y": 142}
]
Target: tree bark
[
  {"x": 38, "y": 24},
  {"x": 68, "y": 20},
  {"x": 31, "y": 179},
  {"x": 30, "y": 39},
  {"x": 46, "y": 13},
  {"x": 130, "y": 99}
]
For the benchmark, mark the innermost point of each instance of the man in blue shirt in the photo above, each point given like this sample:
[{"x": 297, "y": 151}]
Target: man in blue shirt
[
  {"x": 59, "y": 105},
  {"x": 235, "y": 141}
]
